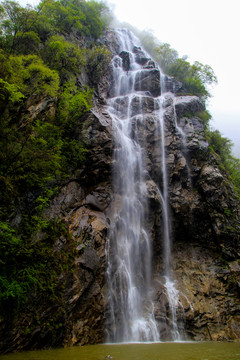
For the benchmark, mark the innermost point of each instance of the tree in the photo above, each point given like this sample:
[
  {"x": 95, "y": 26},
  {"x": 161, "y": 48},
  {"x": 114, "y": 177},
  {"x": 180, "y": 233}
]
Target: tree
[
  {"x": 63, "y": 56},
  {"x": 27, "y": 43},
  {"x": 222, "y": 147},
  {"x": 25, "y": 75},
  {"x": 75, "y": 16},
  {"x": 194, "y": 78},
  {"x": 220, "y": 144},
  {"x": 165, "y": 56},
  {"x": 14, "y": 20},
  {"x": 204, "y": 72}
]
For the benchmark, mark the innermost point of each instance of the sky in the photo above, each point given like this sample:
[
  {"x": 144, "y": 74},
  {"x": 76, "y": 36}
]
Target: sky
[{"x": 207, "y": 31}]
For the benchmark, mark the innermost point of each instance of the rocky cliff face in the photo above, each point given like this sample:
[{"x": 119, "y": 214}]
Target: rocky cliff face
[{"x": 203, "y": 211}]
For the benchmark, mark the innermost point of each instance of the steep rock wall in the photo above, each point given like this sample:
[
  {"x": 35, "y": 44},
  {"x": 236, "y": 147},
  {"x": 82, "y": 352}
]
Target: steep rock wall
[
  {"x": 203, "y": 211},
  {"x": 203, "y": 207}
]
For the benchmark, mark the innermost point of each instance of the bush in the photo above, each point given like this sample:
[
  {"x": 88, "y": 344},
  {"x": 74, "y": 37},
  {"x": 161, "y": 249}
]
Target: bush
[
  {"x": 25, "y": 75},
  {"x": 97, "y": 61},
  {"x": 222, "y": 146},
  {"x": 27, "y": 43},
  {"x": 62, "y": 55},
  {"x": 25, "y": 263}
]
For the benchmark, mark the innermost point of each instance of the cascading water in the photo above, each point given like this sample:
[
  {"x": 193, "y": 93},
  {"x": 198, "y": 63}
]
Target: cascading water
[
  {"x": 129, "y": 270},
  {"x": 131, "y": 311},
  {"x": 170, "y": 286}
]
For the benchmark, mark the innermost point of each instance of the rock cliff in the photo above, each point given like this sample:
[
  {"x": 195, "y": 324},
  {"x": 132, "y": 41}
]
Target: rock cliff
[{"x": 204, "y": 217}]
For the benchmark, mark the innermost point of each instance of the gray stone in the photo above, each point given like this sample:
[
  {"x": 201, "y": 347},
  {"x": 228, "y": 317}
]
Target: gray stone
[
  {"x": 148, "y": 81},
  {"x": 143, "y": 104},
  {"x": 140, "y": 56},
  {"x": 188, "y": 104},
  {"x": 172, "y": 85},
  {"x": 124, "y": 55}
]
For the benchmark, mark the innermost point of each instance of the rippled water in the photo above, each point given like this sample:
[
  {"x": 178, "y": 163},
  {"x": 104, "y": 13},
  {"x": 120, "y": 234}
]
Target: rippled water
[{"x": 156, "y": 351}]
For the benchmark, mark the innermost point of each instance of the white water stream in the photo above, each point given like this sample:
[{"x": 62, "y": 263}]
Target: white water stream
[{"x": 131, "y": 309}]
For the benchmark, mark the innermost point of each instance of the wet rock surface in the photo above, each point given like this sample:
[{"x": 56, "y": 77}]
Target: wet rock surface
[
  {"x": 204, "y": 216},
  {"x": 148, "y": 80},
  {"x": 188, "y": 104}
]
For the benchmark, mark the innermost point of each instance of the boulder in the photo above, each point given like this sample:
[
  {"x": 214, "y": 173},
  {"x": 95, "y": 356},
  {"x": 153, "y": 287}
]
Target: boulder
[
  {"x": 148, "y": 81},
  {"x": 124, "y": 55},
  {"x": 172, "y": 85},
  {"x": 140, "y": 56},
  {"x": 142, "y": 105},
  {"x": 188, "y": 105}
]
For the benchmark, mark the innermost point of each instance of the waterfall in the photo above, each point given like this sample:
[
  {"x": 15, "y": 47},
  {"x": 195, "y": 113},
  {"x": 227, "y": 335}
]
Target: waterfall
[
  {"x": 129, "y": 263},
  {"x": 170, "y": 284},
  {"x": 130, "y": 315}
]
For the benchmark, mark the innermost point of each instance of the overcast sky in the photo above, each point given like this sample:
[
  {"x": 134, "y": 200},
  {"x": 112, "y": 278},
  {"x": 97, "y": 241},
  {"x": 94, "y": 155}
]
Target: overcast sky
[{"x": 207, "y": 31}]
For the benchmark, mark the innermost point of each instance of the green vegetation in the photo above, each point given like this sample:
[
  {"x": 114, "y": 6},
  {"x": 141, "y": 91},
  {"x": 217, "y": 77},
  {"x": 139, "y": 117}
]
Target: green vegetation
[
  {"x": 221, "y": 147},
  {"x": 42, "y": 53},
  {"x": 194, "y": 78},
  {"x": 25, "y": 264}
]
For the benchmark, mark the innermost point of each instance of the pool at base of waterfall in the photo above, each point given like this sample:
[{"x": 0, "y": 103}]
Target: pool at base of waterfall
[{"x": 137, "y": 351}]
